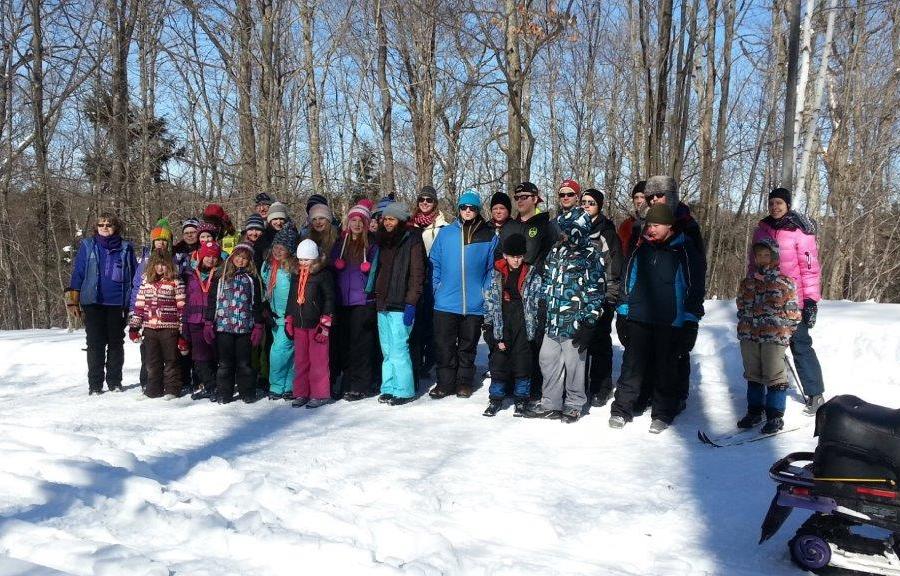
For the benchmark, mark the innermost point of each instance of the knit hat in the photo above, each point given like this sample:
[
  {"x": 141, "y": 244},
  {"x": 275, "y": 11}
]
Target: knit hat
[
  {"x": 661, "y": 183},
  {"x": 276, "y": 210},
  {"x": 190, "y": 223},
  {"x": 571, "y": 185},
  {"x": 782, "y": 193},
  {"x": 214, "y": 211},
  {"x": 469, "y": 198},
  {"x": 209, "y": 249},
  {"x": 315, "y": 199},
  {"x": 242, "y": 246},
  {"x": 208, "y": 227},
  {"x": 397, "y": 210},
  {"x": 161, "y": 231},
  {"x": 594, "y": 194},
  {"x": 428, "y": 192},
  {"x": 362, "y": 211},
  {"x": 319, "y": 211},
  {"x": 263, "y": 198},
  {"x": 382, "y": 204},
  {"x": 255, "y": 222},
  {"x": 501, "y": 198},
  {"x": 515, "y": 245},
  {"x": 286, "y": 237},
  {"x": 307, "y": 250},
  {"x": 639, "y": 188},
  {"x": 660, "y": 214}
]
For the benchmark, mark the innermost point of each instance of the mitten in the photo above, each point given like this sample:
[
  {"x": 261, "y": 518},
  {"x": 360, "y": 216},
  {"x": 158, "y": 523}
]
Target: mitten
[
  {"x": 209, "y": 333},
  {"x": 689, "y": 336},
  {"x": 73, "y": 302},
  {"x": 409, "y": 315},
  {"x": 134, "y": 335},
  {"x": 323, "y": 329},
  {"x": 583, "y": 336},
  {"x": 183, "y": 346},
  {"x": 810, "y": 310},
  {"x": 256, "y": 335}
]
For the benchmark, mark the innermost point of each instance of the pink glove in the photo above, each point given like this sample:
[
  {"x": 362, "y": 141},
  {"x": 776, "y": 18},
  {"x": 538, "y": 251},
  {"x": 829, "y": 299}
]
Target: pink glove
[
  {"x": 289, "y": 327},
  {"x": 323, "y": 329},
  {"x": 209, "y": 333},
  {"x": 257, "y": 335}
]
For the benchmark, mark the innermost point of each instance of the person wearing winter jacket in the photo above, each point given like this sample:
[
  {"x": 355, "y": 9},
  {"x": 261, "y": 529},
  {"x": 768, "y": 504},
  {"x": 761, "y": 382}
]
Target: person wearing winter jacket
[
  {"x": 510, "y": 310},
  {"x": 310, "y": 311},
  {"x": 574, "y": 285},
  {"x": 276, "y": 274},
  {"x": 321, "y": 229},
  {"x": 234, "y": 322},
  {"x": 100, "y": 292},
  {"x": 600, "y": 355},
  {"x": 227, "y": 236},
  {"x": 631, "y": 228},
  {"x": 796, "y": 238},
  {"x": 189, "y": 243},
  {"x": 427, "y": 217},
  {"x": 198, "y": 282},
  {"x": 397, "y": 277},
  {"x": 158, "y": 310},
  {"x": 462, "y": 259},
  {"x": 254, "y": 228},
  {"x": 356, "y": 340},
  {"x": 662, "y": 304},
  {"x": 767, "y": 314}
]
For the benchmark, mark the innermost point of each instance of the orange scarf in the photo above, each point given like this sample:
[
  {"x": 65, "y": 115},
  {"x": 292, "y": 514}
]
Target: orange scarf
[{"x": 302, "y": 277}]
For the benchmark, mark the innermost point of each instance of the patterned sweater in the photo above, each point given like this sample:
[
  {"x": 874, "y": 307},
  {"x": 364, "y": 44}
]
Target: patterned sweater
[
  {"x": 158, "y": 305},
  {"x": 767, "y": 307}
]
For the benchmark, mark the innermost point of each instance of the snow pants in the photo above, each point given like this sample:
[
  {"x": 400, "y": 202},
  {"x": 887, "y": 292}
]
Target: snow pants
[
  {"x": 396, "y": 368},
  {"x": 807, "y": 362},
  {"x": 456, "y": 340},
  {"x": 281, "y": 360},
  {"x": 764, "y": 363},
  {"x": 563, "y": 369},
  {"x": 512, "y": 365},
  {"x": 652, "y": 355},
  {"x": 311, "y": 374},
  {"x": 234, "y": 366},
  {"x": 600, "y": 354},
  {"x": 421, "y": 339},
  {"x": 356, "y": 336},
  {"x": 104, "y": 328},
  {"x": 203, "y": 356},
  {"x": 162, "y": 361}
]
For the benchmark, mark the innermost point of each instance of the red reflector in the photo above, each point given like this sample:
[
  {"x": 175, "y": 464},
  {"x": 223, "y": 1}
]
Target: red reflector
[
  {"x": 876, "y": 492},
  {"x": 798, "y": 491}
]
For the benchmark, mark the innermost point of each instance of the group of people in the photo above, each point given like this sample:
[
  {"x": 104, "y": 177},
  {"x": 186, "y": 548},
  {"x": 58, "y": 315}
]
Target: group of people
[{"x": 368, "y": 304}]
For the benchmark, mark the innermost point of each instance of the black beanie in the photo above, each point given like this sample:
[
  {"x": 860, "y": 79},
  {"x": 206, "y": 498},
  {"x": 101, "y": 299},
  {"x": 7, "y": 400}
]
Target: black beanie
[
  {"x": 514, "y": 245},
  {"x": 428, "y": 192},
  {"x": 782, "y": 193},
  {"x": 595, "y": 194},
  {"x": 639, "y": 188},
  {"x": 501, "y": 198}
]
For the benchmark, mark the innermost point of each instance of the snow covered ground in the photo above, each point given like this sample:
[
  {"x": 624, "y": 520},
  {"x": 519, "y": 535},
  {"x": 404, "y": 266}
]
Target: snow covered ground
[{"x": 106, "y": 485}]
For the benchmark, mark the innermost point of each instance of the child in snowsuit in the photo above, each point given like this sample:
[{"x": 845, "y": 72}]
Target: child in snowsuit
[
  {"x": 277, "y": 273},
  {"x": 157, "y": 309},
  {"x": 234, "y": 322},
  {"x": 511, "y": 307},
  {"x": 309, "y": 310},
  {"x": 768, "y": 315},
  {"x": 198, "y": 282}
]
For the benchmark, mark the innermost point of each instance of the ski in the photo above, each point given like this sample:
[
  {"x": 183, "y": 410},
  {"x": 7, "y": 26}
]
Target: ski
[
  {"x": 703, "y": 437},
  {"x": 738, "y": 438}
]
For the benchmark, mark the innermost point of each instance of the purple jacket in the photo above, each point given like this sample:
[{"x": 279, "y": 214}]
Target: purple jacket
[
  {"x": 351, "y": 280},
  {"x": 796, "y": 238},
  {"x": 196, "y": 297}
]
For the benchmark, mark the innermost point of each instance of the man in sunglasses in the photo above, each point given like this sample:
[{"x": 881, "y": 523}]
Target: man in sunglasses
[
  {"x": 462, "y": 262},
  {"x": 630, "y": 228}
]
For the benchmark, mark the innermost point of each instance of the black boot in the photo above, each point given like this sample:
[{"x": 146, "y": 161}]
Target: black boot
[
  {"x": 753, "y": 418},
  {"x": 538, "y": 411},
  {"x": 600, "y": 398},
  {"x": 774, "y": 422},
  {"x": 519, "y": 410},
  {"x": 493, "y": 407}
]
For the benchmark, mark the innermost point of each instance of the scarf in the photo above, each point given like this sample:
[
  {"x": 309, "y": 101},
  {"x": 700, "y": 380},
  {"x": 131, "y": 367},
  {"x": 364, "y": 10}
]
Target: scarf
[
  {"x": 423, "y": 220},
  {"x": 110, "y": 243},
  {"x": 302, "y": 278},
  {"x": 274, "y": 265}
]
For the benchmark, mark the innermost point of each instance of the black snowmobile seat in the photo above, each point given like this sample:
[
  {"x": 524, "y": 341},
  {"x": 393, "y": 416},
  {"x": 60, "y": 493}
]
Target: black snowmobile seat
[{"x": 857, "y": 439}]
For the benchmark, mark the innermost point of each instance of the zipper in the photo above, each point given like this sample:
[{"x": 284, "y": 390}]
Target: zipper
[{"x": 462, "y": 271}]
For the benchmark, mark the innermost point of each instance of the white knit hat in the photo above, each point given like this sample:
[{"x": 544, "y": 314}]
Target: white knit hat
[{"x": 307, "y": 250}]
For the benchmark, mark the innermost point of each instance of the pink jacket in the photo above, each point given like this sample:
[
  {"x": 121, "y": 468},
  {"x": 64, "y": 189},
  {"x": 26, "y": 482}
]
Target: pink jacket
[{"x": 799, "y": 258}]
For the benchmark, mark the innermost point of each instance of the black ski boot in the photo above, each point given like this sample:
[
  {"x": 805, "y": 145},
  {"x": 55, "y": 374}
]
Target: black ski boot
[
  {"x": 752, "y": 419},
  {"x": 519, "y": 410},
  {"x": 492, "y": 408},
  {"x": 774, "y": 422}
]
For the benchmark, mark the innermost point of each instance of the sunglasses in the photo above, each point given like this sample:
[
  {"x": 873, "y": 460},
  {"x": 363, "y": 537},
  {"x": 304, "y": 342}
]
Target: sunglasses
[
  {"x": 104, "y": 225},
  {"x": 567, "y": 194},
  {"x": 588, "y": 203},
  {"x": 466, "y": 207},
  {"x": 522, "y": 197},
  {"x": 425, "y": 200}
]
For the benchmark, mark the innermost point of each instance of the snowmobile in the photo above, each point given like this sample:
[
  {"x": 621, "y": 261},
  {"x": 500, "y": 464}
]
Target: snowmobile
[{"x": 850, "y": 485}]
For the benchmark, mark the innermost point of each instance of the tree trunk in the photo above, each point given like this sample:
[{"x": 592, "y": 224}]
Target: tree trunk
[
  {"x": 388, "y": 185},
  {"x": 513, "y": 64},
  {"x": 248, "y": 178},
  {"x": 42, "y": 179},
  {"x": 313, "y": 121}
]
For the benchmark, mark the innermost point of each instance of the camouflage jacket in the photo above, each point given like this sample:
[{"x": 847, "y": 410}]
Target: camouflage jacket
[{"x": 767, "y": 308}]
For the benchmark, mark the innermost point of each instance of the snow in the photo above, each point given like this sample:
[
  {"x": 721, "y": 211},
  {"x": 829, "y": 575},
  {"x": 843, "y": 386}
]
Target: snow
[{"x": 106, "y": 485}]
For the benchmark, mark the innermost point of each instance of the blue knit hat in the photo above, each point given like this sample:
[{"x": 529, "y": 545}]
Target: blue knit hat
[
  {"x": 469, "y": 198},
  {"x": 286, "y": 237},
  {"x": 382, "y": 204},
  {"x": 255, "y": 222}
]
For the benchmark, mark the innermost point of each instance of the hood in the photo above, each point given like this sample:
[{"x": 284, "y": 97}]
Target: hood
[{"x": 772, "y": 245}]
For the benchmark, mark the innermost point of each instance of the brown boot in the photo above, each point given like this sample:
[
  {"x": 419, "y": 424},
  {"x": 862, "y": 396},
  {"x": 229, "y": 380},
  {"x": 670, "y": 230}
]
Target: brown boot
[{"x": 463, "y": 391}]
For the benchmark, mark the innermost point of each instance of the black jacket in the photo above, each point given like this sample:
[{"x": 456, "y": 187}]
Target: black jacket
[
  {"x": 319, "y": 297},
  {"x": 400, "y": 270},
  {"x": 540, "y": 235},
  {"x": 606, "y": 239}
]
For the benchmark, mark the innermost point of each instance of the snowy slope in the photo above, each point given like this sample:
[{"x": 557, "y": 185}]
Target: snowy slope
[{"x": 107, "y": 485}]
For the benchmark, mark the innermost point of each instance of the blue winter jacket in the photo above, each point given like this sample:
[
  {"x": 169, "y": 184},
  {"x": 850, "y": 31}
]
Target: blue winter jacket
[
  {"x": 104, "y": 275},
  {"x": 665, "y": 283},
  {"x": 462, "y": 260}
]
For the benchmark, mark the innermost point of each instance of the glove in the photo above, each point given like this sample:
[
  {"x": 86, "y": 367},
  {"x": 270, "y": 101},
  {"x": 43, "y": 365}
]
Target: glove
[
  {"x": 134, "y": 335},
  {"x": 269, "y": 316},
  {"x": 256, "y": 335},
  {"x": 809, "y": 312},
  {"x": 323, "y": 329},
  {"x": 289, "y": 327},
  {"x": 73, "y": 302},
  {"x": 612, "y": 294},
  {"x": 409, "y": 315},
  {"x": 183, "y": 346},
  {"x": 209, "y": 333},
  {"x": 688, "y": 336},
  {"x": 583, "y": 336}
]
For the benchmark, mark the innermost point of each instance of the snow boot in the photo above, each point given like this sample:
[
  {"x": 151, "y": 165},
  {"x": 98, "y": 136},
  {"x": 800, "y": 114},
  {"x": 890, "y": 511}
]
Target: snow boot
[
  {"x": 464, "y": 392},
  {"x": 601, "y": 398},
  {"x": 538, "y": 411},
  {"x": 93, "y": 391},
  {"x": 617, "y": 422},
  {"x": 813, "y": 403},
  {"x": 385, "y": 398},
  {"x": 169, "y": 397},
  {"x": 300, "y": 401},
  {"x": 752, "y": 419},
  {"x": 288, "y": 396},
  {"x": 437, "y": 394},
  {"x": 657, "y": 426},
  {"x": 519, "y": 410},
  {"x": 200, "y": 393},
  {"x": 116, "y": 388},
  {"x": 398, "y": 401},
  {"x": 318, "y": 402},
  {"x": 250, "y": 398},
  {"x": 354, "y": 396},
  {"x": 492, "y": 408},
  {"x": 570, "y": 415},
  {"x": 273, "y": 396},
  {"x": 774, "y": 422}
]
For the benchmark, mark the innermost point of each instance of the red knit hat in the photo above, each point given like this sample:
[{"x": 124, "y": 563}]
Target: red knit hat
[
  {"x": 209, "y": 249},
  {"x": 214, "y": 211},
  {"x": 571, "y": 185}
]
